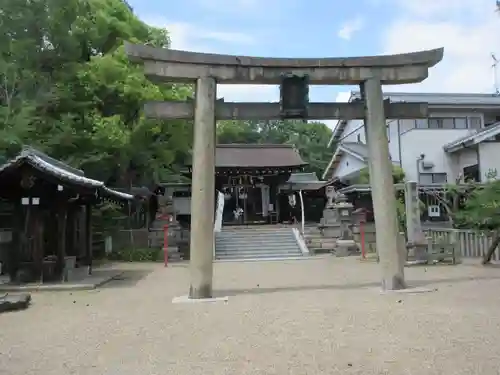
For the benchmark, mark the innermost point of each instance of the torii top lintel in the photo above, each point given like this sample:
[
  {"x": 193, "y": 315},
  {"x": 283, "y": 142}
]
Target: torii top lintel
[{"x": 162, "y": 64}]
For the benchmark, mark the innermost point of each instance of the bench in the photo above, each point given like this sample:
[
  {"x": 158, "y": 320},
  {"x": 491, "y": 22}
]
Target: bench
[{"x": 442, "y": 252}]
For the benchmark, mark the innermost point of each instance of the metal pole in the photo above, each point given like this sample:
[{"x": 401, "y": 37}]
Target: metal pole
[{"x": 302, "y": 218}]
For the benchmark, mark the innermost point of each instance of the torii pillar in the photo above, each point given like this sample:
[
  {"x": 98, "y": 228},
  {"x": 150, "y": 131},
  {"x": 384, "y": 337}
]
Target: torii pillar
[
  {"x": 382, "y": 188},
  {"x": 206, "y": 70},
  {"x": 203, "y": 190}
]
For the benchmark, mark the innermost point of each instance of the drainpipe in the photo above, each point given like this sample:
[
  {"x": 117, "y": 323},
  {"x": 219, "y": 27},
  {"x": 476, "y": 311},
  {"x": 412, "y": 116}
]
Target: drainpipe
[
  {"x": 418, "y": 161},
  {"x": 399, "y": 145}
]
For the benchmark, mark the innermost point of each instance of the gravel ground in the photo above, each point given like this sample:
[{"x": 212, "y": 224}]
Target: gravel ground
[{"x": 321, "y": 316}]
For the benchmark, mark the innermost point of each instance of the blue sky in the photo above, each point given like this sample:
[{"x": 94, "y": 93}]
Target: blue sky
[{"x": 468, "y": 29}]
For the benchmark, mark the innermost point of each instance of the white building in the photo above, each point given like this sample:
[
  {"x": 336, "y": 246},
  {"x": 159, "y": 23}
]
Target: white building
[{"x": 459, "y": 138}]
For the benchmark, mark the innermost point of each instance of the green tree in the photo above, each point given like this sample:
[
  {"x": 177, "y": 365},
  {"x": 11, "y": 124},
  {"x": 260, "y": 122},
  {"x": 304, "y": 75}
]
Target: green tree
[
  {"x": 67, "y": 88},
  {"x": 398, "y": 175},
  {"x": 481, "y": 211},
  {"x": 474, "y": 205}
]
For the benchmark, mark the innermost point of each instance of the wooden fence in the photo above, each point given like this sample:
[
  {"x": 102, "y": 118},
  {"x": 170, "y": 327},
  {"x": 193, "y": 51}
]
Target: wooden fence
[{"x": 471, "y": 244}]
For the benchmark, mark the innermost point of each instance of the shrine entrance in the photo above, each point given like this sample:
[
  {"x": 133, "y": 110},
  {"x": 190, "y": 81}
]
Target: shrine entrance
[
  {"x": 250, "y": 176},
  {"x": 293, "y": 75},
  {"x": 243, "y": 205}
]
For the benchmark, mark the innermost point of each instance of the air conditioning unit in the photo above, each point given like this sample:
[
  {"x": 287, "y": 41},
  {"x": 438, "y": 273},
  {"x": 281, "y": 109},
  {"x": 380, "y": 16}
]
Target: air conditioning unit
[
  {"x": 434, "y": 211},
  {"x": 427, "y": 164}
]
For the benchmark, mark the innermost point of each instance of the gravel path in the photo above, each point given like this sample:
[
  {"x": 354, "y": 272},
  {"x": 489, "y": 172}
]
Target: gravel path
[{"x": 321, "y": 316}]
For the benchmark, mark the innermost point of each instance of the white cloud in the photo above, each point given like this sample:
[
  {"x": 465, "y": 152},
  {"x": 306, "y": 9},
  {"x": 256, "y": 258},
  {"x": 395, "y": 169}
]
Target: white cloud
[
  {"x": 342, "y": 97},
  {"x": 190, "y": 37},
  {"x": 467, "y": 29},
  {"x": 350, "y": 27},
  {"x": 186, "y": 36}
]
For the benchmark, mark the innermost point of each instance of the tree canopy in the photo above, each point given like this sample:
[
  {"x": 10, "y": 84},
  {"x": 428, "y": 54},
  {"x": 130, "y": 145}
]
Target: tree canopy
[
  {"x": 398, "y": 175},
  {"x": 68, "y": 89}
]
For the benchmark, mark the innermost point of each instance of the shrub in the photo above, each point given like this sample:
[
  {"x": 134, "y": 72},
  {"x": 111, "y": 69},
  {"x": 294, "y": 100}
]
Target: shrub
[{"x": 137, "y": 255}]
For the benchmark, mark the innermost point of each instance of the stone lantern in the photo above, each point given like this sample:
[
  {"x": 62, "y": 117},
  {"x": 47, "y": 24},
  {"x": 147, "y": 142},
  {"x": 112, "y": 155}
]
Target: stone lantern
[
  {"x": 169, "y": 217},
  {"x": 345, "y": 244}
]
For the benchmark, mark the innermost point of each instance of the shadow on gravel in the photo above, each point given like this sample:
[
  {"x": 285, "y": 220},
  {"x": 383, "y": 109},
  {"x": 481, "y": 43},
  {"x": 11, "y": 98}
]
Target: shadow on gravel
[
  {"x": 412, "y": 283},
  {"x": 127, "y": 279}
]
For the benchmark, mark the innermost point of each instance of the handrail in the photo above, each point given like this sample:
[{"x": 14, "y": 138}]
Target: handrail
[{"x": 219, "y": 209}]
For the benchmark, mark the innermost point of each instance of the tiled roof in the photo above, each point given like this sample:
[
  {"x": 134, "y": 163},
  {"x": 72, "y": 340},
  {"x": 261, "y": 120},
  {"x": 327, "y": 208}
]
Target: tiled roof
[
  {"x": 357, "y": 148},
  {"x": 474, "y": 138},
  {"x": 60, "y": 170},
  {"x": 304, "y": 181},
  {"x": 302, "y": 177},
  {"x": 257, "y": 156},
  {"x": 439, "y": 98}
]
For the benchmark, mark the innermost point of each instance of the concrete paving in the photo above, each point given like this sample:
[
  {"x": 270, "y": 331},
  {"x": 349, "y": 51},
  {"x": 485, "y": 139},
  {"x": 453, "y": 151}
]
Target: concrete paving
[
  {"x": 80, "y": 280},
  {"x": 324, "y": 316}
]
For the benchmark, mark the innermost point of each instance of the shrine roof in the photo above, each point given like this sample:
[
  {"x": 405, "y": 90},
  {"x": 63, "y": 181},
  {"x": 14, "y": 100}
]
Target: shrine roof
[
  {"x": 61, "y": 171},
  {"x": 304, "y": 181},
  {"x": 257, "y": 156}
]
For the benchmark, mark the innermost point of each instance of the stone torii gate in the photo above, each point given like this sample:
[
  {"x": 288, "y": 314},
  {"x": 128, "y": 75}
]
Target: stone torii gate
[{"x": 206, "y": 70}]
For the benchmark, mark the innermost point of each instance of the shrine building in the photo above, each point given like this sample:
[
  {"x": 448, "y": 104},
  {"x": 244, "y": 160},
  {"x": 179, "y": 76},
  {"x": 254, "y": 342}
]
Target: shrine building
[{"x": 257, "y": 181}]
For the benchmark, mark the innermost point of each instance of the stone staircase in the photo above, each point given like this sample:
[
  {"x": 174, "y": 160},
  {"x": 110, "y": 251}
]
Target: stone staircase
[{"x": 258, "y": 243}]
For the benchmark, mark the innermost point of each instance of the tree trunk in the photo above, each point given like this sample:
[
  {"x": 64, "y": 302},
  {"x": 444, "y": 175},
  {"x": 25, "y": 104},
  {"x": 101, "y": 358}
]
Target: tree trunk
[{"x": 492, "y": 248}]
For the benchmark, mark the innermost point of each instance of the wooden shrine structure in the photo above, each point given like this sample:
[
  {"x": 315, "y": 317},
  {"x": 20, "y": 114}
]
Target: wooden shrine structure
[
  {"x": 249, "y": 176},
  {"x": 51, "y": 216}
]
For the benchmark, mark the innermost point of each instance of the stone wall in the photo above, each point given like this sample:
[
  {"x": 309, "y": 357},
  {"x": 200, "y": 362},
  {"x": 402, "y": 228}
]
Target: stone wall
[{"x": 369, "y": 236}]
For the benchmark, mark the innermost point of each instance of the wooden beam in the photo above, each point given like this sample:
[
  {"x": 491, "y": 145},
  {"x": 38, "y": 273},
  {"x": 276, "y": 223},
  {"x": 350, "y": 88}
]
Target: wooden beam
[
  {"x": 17, "y": 236},
  {"x": 88, "y": 235},
  {"x": 271, "y": 111},
  {"x": 37, "y": 231},
  {"x": 62, "y": 216}
]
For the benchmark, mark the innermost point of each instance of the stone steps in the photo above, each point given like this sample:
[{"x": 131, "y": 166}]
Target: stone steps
[{"x": 256, "y": 242}]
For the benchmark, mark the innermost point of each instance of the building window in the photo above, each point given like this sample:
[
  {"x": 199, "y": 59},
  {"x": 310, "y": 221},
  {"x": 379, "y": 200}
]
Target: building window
[
  {"x": 471, "y": 173},
  {"x": 461, "y": 123},
  {"x": 475, "y": 122},
  {"x": 422, "y": 123},
  {"x": 435, "y": 123},
  {"x": 448, "y": 123},
  {"x": 432, "y": 178}
]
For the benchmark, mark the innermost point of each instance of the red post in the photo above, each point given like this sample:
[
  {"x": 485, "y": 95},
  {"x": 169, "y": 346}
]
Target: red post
[
  {"x": 362, "y": 232},
  {"x": 165, "y": 244}
]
